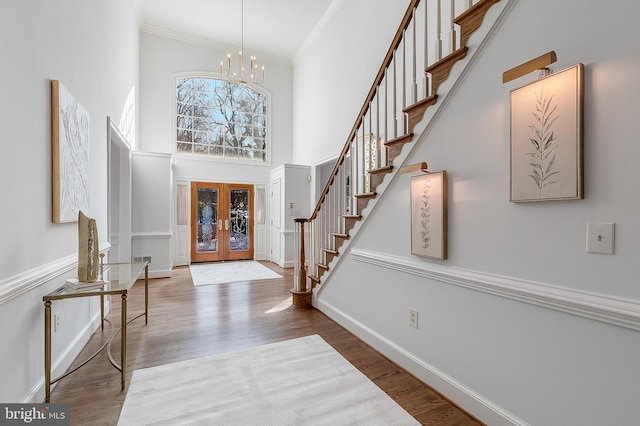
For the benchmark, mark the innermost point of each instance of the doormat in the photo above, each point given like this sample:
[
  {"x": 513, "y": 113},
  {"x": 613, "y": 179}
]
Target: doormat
[{"x": 229, "y": 272}]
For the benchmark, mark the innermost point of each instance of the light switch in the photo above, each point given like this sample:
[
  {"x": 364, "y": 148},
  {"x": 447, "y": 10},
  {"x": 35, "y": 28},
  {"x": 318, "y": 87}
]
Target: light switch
[{"x": 600, "y": 238}]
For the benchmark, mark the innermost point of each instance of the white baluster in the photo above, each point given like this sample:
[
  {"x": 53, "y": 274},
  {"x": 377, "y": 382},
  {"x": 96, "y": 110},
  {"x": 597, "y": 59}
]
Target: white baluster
[
  {"x": 361, "y": 171},
  {"x": 378, "y": 138},
  {"x": 438, "y": 51},
  {"x": 371, "y": 165},
  {"x": 404, "y": 79},
  {"x": 415, "y": 64},
  {"x": 453, "y": 38},
  {"x": 314, "y": 247},
  {"x": 386, "y": 105},
  {"x": 395, "y": 97},
  {"x": 426, "y": 48}
]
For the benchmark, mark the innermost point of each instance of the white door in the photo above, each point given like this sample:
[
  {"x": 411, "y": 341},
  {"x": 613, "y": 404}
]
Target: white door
[
  {"x": 274, "y": 222},
  {"x": 260, "y": 227},
  {"x": 118, "y": 195},
  {"x": 181, "y": 235}
]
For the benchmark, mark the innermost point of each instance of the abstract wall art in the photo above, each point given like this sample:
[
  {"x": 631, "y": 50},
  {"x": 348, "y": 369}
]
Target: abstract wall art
[{"x": 70, "y": 155}]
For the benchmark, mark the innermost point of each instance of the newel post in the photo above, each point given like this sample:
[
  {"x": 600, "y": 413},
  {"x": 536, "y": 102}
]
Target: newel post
[{"x": 301, "y": 294}]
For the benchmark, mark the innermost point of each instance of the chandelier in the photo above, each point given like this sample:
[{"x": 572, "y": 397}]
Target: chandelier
[{"x": 242, "y": 75}]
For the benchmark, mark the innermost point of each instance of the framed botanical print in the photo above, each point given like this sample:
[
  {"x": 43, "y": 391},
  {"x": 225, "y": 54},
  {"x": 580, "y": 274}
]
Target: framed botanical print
[
  {"x": 547, "y": 138},
  {"x": 429, "y": 215}
]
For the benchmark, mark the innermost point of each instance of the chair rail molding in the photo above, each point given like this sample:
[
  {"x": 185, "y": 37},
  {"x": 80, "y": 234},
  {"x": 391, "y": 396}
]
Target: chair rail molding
[
  {"x": 19, "y": 284},
  {"x": 608, "y": 309}
]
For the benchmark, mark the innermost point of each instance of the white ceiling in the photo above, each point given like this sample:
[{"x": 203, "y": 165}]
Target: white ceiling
[{"x": 276, "y": 28}]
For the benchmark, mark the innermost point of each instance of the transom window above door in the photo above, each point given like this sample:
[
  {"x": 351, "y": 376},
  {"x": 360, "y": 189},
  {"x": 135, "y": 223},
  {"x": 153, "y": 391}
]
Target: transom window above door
[{"x": 219, "y": 119}]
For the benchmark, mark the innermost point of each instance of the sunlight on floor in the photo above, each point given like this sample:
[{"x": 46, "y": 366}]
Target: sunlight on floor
[{"x": 280, "y": 306}]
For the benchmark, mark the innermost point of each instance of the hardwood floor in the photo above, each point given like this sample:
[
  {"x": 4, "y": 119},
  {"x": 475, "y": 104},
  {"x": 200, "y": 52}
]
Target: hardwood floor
[{"x": 187, "y": 322}]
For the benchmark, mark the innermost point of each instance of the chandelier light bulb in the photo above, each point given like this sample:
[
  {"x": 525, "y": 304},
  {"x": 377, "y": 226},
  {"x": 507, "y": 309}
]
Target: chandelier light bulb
[{"x": 253, "y": 65}]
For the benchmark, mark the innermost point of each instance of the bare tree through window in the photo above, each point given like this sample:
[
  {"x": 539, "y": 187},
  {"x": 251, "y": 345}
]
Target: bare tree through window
[{"x": 221, "y": 119}]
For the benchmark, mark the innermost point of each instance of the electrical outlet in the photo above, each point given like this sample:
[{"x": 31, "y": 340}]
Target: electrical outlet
[
  {"x": 56, "y": 321},
  {"x": 413, "y": 318}
]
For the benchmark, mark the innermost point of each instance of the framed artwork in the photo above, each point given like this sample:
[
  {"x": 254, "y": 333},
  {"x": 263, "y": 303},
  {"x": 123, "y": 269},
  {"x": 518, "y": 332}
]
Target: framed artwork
[
  {"x": 70, "y": 155},
  {"x": 369, "y": 145},
  {"x": 429, "y": 215},
  {"x": 547, "y": 138}
]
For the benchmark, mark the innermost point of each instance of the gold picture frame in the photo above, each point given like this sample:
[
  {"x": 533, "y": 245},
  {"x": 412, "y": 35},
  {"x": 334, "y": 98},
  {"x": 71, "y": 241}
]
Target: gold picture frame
[
  {"x": 547, "y": 138},
  {"x": 70, "y": 155},
  {"x": 429, "y": 215}
]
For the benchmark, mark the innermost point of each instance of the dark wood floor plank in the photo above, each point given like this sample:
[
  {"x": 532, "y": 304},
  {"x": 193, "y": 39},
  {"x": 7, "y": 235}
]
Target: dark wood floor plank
[{"x": 187, "y": 322}]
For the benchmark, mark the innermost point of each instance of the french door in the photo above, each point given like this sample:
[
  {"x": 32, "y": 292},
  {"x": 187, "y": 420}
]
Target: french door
[{"x": 221, "y": 221}]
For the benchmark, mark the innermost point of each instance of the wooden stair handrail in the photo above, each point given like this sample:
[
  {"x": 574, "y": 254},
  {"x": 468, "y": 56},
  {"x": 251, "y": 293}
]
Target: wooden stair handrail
[
  {"x": 406, "y": 20},
  {"x": 362, "y": 177}
]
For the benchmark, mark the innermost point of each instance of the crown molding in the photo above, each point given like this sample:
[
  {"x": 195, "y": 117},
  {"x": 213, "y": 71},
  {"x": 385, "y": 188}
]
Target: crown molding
[
  {"x": 322, "y": 23},
  {"x": 205, "y": 42}
]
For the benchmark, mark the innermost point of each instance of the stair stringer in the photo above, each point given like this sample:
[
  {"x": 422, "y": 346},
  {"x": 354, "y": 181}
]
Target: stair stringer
[{"x": 477, "y": 42}]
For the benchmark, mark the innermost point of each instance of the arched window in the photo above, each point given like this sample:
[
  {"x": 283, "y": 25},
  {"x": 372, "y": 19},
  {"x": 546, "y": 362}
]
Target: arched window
[{"x": 221, "y": 119}]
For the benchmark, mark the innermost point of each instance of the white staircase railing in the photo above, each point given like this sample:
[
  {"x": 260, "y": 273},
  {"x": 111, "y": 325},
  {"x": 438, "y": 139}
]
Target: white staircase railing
[{"x": 418, "y": 61}]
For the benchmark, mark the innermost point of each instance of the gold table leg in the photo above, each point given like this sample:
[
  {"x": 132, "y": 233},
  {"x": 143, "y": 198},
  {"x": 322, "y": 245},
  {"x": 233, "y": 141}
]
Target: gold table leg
[
  {"x": 102, "y": 312},
  {"x": 47, "y": 350},
  {"x": 146, "y": 294},
  {"x": 123, "y": 344}
]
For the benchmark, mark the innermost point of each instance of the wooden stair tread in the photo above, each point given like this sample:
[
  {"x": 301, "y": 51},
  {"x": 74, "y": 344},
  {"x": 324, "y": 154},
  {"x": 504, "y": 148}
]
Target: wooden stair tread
[
  {"x": 451, "y": 58},
  {"x": 471, "y": 19},
  {"x": 426, "y": 102},
  {"x": 415, "y": 112},
  {"x": 366, "y": 195},
  {"x": 346, "y": 236},
  {"x": 381, "y": 170},
  {"x": 440, "y": 70},
  {"x": 400, "y": 139},
  {"x": 330, "y": 251}
]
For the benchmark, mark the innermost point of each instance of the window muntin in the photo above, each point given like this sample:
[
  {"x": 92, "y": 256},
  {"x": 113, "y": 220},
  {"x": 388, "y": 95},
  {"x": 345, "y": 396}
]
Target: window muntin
[{"x": 221, "y": 119}]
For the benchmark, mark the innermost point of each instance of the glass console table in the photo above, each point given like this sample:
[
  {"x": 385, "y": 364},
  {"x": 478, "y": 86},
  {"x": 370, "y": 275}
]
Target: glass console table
[{"x": 120, "y": 278}]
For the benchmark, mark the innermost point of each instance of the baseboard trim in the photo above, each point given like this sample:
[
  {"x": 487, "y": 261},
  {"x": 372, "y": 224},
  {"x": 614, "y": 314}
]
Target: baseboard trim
[
  {"x": 151, "y": 235},
  {"x": 66, "y": 358},
  {"x": 160, "y": 273},
  {"x": 608, "y": 309},
  {"x": 470, "y": 400}
]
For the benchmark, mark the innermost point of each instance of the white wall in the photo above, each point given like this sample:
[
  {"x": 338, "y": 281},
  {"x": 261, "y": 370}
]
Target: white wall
[
  {"x": 294, "y": 191},
  {"x": 160, "y": 59},
  {"x": 92, "y": 48},
  {"x": 152, "y": 211},
  {"x": 520, "y": 325},
  {"x": 334, "y": 73}
]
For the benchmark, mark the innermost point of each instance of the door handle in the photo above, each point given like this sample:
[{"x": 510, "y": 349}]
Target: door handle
[
  {"x": 226, "y": 224},
  {"x": 219, "y": 224}
]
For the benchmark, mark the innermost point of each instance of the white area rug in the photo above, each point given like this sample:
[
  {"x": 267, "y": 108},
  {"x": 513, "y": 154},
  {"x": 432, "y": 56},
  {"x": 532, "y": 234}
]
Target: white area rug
[
  {"x": 229, "y": 272},
  {"x": 296, "y": 382}
]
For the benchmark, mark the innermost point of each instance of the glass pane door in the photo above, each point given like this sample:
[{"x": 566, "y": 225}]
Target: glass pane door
[
  {"x": 221, "y": 221},
  {"x": 207, "y": 223},
  {"x": 240, "y": 214},
  {"x": 239, "y": 218}
]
